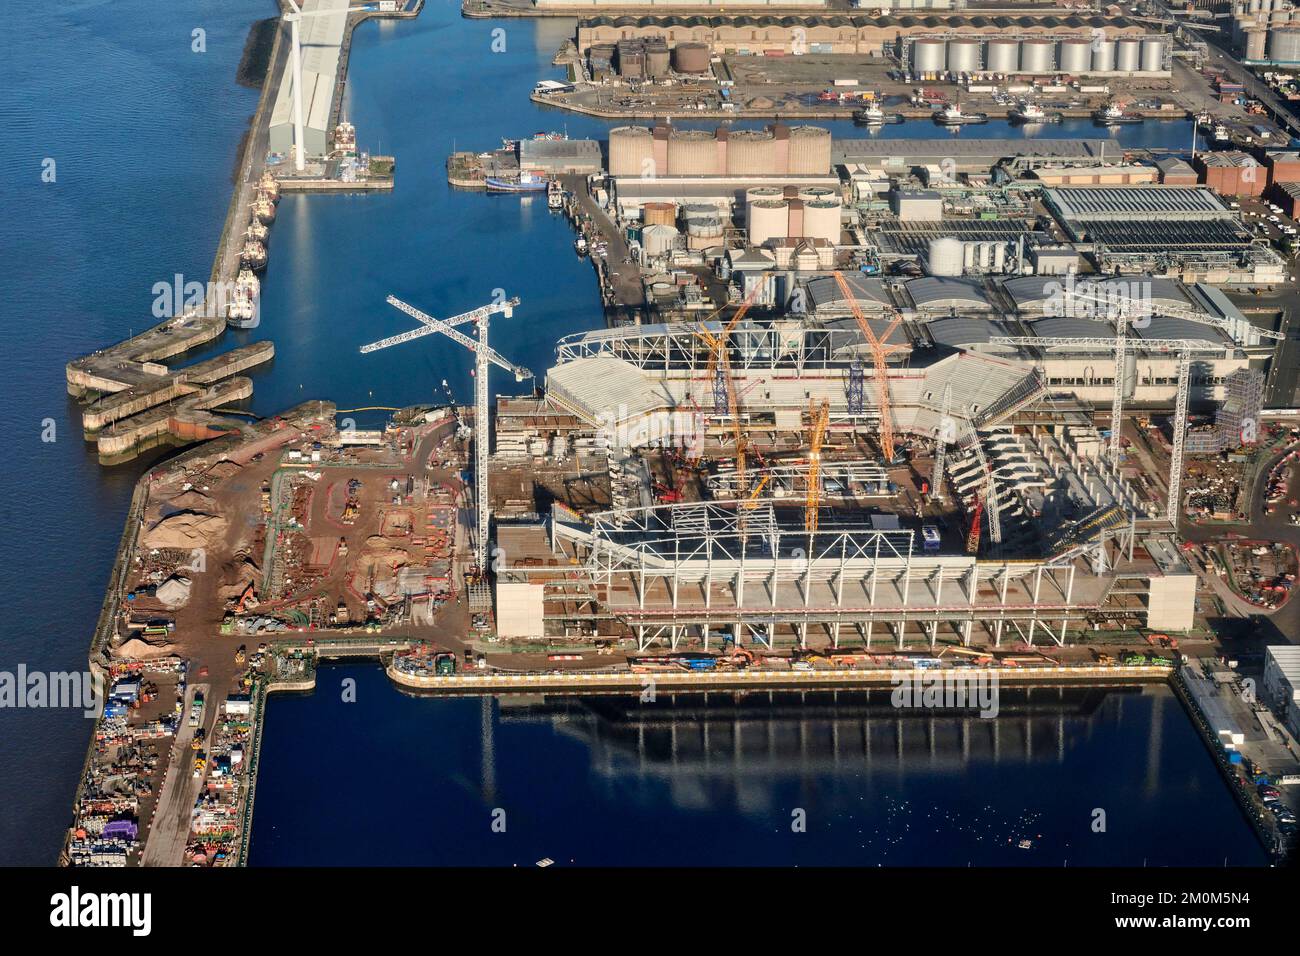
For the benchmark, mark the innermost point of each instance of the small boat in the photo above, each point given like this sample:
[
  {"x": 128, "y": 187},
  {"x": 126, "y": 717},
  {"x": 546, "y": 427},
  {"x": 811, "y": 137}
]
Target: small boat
[
  {"x": 1113, "y": 115},
  {"x": 241, "y": 311},
  {"x": 1029, "y": 112},
  {"x": 526, "y": 183},
  {"x": 264, "y": 209},
  {"x": 555, "y": 195},
  {"x": 270, "y": 186},
  {"x": 1221, "y": 134},
  {"x": 873, "y": 115},
  {"x": 953, "y": 116},
  {"x": 257, "y": 230},
  {"x": 580, "y": 245},
  {"x": 253, "y": 255}
]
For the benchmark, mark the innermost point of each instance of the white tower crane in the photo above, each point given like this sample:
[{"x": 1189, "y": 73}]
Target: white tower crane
[
  {"x": 1185, "y": 349},
  {"x": 941, "y": 446},
  {"x": 483, "y": 355}
]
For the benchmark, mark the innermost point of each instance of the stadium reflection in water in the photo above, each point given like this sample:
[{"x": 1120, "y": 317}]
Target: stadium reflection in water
[{"x": 727, "y": 778}]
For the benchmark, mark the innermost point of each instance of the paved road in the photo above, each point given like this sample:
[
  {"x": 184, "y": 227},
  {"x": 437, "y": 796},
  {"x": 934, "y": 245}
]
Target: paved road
[{"x": 170, "y": 829}]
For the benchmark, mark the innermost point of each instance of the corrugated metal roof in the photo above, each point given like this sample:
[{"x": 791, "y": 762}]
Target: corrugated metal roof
[
  {"x": 962, "y": 331},
  {"x": 936, "y": 292}
]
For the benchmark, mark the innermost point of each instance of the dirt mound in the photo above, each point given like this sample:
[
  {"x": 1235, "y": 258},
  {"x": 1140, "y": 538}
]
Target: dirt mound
[
  {"x": 139, "y": 649},
  {"x": 185, "y": 530}
]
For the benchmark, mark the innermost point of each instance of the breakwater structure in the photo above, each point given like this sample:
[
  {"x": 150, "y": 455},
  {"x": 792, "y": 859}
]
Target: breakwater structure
[{"x": 136, "y": 394}]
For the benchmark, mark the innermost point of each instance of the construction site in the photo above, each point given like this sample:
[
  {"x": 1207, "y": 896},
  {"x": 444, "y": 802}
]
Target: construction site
[{"x": 787, "y": 485}]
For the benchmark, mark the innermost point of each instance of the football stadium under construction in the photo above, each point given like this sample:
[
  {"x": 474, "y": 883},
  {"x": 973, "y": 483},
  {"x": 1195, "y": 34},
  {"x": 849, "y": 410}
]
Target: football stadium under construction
[{"x": 823, "y": 484}]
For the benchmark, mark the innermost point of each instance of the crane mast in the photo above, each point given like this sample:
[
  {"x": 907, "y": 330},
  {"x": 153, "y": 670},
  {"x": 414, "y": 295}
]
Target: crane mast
[
  {"x": 484, "y": 357},
  {"x": 941, "y": 447}
]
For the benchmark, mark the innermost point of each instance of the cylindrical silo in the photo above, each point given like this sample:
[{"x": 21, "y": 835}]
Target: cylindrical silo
[
  {"x": 810, "y": 151},
  {"x": 658, "y": 240},
  {"x": 766, "y": 219},
  {"x": 1256, "y": 44},
  {"x": 751, "y": 152},
  {"x": 631, "y": 151},
  {"x": 1036, "y": 56},
  {"x": 928, "y": 55},
  {"x": 1075, "y": 56},
  {"x": 656, "y": 58},
  {"x": 1000, "y": 257},
  {"x": 821, "y": 220},
  {"x": 817, "y": 193},
  {"x": 963, "y": 56},
  {"x": 703, "y": 231},
  {"x": 758, "y": 193},
  {"x": 1284, "y": 45},
  {"x": 659, "y": 213},
  {"x": 1128, "y": 56},
  {"x": 692, "y": 152},
  {"x": 968, "y": 256},
  {"x": 1153, "y": 55},
  {"x": 946, "y": 257},
  {"x": 1103, "y": 57},
  {"x": 691, "y": 57},
  {"x": 1003, "y": 56}
]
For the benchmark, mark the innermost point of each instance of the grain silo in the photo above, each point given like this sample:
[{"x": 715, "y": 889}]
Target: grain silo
[
  {"x": 1128, "y": 56},
  {"x": 692, "y": 152},
  {"x": 810, "y": 151},
  {"x": 656, "y": 57},
  {"x": 691, "y": 57},
  {"x": 1284, "y": 45},
  {"x": 817, "y": 193},
  {"x": 659, "y": 213},
  {"x": 1036, "y": 56},
  {"x": 1153, "y": 55},
  {"x": 658, "y": 240},
  {"x": 1075, "y": 56},
  {"x": 946, "y": 257},
  {"x": 1003, "y": 56},
  {"x": 821, "y": 220},
  {"x": 631, "y": 151},
  {"x": 766, "y": 219},
  {"x": 963, "y": 56},
  {"x": 1256, "y": 44},
  {"x": 751, "y": 152},
  {"x": 928, "y": 56},
  {"x": 1103, "y": 57}
]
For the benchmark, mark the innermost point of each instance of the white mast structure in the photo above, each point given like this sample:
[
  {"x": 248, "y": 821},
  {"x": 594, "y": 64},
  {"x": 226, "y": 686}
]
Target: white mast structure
[{"x": 483, "y": 355}]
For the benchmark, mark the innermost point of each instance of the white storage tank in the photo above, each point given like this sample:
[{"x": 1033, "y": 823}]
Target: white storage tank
[
  {"x": 821, "y": 220},
  {"x": 1153, "y": 56},
  {"x": 767, "y": 219},
  {"x": 1036, "y": 56},
  {"x": 1128, "y": 56},
  {"x": 658, "y": 240},
  {"x": 1003, "y": 56},
  {"x": 1284, "y": 45},
  {"x": 945, "y": 257},
  {"x": 631, "y": 151},
  {"x": 1256, "y": 44},
  {"x": 756, "y": 193},
  {"x": 816, "y": 193},
  {"x": 1075, "y": 56},
  {"x": 928, "y": 56},
  {"x": 1103, "y": 57},
  {"x": 963, "y": 56}
]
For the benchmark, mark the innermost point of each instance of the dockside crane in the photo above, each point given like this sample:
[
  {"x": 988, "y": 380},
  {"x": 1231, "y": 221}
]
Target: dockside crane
[
  {"x": 1185, "y": 348},
  {"x": 879, "y": 355},
  {"x": 484, "y": 356}
]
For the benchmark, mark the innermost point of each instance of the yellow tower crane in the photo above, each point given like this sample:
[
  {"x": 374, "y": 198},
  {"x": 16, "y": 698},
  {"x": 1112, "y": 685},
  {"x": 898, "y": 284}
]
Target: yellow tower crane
[
  {"x": 879, "y": 353},
  {"x": 819, "y": 418}
]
